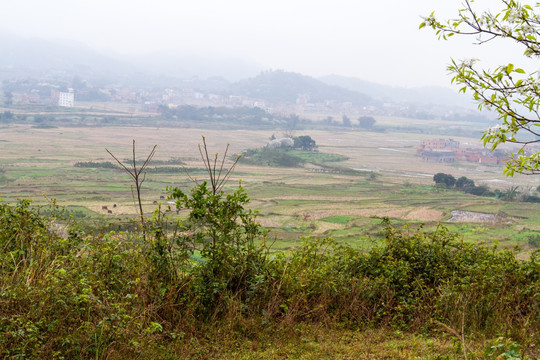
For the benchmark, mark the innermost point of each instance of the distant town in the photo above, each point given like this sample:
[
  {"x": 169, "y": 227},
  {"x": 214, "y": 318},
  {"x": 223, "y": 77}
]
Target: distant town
[{"x": 277, "y": 93}]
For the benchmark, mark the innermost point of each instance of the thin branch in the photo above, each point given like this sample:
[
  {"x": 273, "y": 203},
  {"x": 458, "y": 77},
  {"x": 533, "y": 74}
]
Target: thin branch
[
  {"x": 223, "y": 160},
  {"x": 122, "y": 165},
  {"x": 138, "y": 181},
  {"x": 217, "y": 178}
]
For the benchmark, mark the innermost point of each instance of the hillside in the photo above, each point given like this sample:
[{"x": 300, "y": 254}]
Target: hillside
[{"x": 282, "y": 86}]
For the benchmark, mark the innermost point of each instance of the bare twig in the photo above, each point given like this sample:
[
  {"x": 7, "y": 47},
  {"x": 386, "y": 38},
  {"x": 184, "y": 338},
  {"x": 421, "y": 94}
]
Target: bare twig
[
  {"x": 137, "y": 179},
  {"x": 217, "y": 176}
]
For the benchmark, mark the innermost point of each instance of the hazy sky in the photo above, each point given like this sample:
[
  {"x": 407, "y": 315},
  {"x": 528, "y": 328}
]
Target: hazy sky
[{"x": 373, "y": 40}]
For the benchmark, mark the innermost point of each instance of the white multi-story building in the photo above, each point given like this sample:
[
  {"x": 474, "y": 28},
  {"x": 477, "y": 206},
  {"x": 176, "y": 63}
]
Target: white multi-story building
[{"x": 66, "y": 99}]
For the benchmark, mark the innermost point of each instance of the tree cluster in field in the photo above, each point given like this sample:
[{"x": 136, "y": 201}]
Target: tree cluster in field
[
  {"x": 96, "y": 165},
  {"x": 279, "y": 152},
  {"x": 363, "y": 122},
  {"x": 150, "y": 170},
  {"x": 255, "y": 117},
  {"x": 468, "y": 186},
  {"x": 7, "y": 117},
  {"x": 271, "y": 157},
  {"x": 245, "y": 116}
]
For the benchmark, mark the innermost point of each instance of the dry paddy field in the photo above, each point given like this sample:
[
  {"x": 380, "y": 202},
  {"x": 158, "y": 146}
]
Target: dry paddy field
[{"x": 293, "y": 202}]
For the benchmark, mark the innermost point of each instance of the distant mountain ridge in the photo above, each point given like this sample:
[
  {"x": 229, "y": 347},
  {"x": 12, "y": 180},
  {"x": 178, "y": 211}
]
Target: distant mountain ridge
[{"x": 418, "y": 96}]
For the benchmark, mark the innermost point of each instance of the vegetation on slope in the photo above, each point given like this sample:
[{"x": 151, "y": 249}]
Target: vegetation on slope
[{"x": 65, "y": 294}]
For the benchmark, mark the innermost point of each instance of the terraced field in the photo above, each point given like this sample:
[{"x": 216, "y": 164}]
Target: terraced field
[{"x": 293, "y": 202}]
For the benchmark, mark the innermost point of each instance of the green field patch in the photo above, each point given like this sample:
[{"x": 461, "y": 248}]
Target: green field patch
[
  {"x": 79, "y": 211},
  {"x": 296, "y": 229},
  {"x": 338, "y": 219},
  {"x": 289, "y": 158},
  {"x": 317, "y": 157}
]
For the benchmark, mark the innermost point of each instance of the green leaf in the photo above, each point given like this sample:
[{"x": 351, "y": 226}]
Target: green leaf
[
  {"x": 520, "y": 71},
  {"x": 422, "y": 25},
  {"x": 509, "y": 68}
]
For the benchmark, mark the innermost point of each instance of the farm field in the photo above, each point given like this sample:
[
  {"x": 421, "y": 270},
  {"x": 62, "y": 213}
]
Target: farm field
[{"x": 293, "y": 202}]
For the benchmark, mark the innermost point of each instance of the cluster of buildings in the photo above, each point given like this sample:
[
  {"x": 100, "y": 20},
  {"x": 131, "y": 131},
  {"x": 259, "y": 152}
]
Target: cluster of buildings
[
  {"x": 34, "y": 91},
  {"x": 449, "y": 150}
]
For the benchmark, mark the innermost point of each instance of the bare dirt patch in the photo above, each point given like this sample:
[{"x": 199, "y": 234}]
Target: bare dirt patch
[
  {"x": 268, "y": 222},
  {"x": 470, "y": 216}
]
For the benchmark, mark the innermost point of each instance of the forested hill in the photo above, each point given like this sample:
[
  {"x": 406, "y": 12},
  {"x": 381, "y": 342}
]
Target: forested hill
[{"x": 282, "y": 86}]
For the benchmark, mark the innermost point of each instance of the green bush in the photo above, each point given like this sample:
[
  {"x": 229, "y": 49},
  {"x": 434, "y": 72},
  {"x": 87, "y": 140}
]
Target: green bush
[
  {"x": 534, "y": 240},
  {"x": 227, "y": 236}
]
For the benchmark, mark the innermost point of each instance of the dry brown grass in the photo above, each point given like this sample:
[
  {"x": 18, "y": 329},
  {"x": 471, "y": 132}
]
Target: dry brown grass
[
  {"x": 323, "y": 226},
  {"x": 424, "y": 214}
]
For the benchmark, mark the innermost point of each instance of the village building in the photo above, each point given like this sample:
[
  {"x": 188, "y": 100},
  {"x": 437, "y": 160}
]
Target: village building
[
  {"x": 440, "y": 144},
  {"x": 448, "y": 151},
  {"x": 438, "y": 156},
  {"x": 66, "y": 99}
]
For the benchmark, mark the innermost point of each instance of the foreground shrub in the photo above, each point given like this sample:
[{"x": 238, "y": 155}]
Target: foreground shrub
[{"x": 414, "y": 281}]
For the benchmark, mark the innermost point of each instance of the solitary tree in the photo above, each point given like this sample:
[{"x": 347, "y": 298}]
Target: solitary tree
[
  {"x": 304, "y": 142},
  {"x": 511, "y": 92},
  {"x": 346, "y": 121},
  {"x": 366, "y": 122}
]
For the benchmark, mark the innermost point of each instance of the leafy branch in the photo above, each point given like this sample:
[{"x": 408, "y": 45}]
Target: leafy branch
[{"x": 511, "y": 92}]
